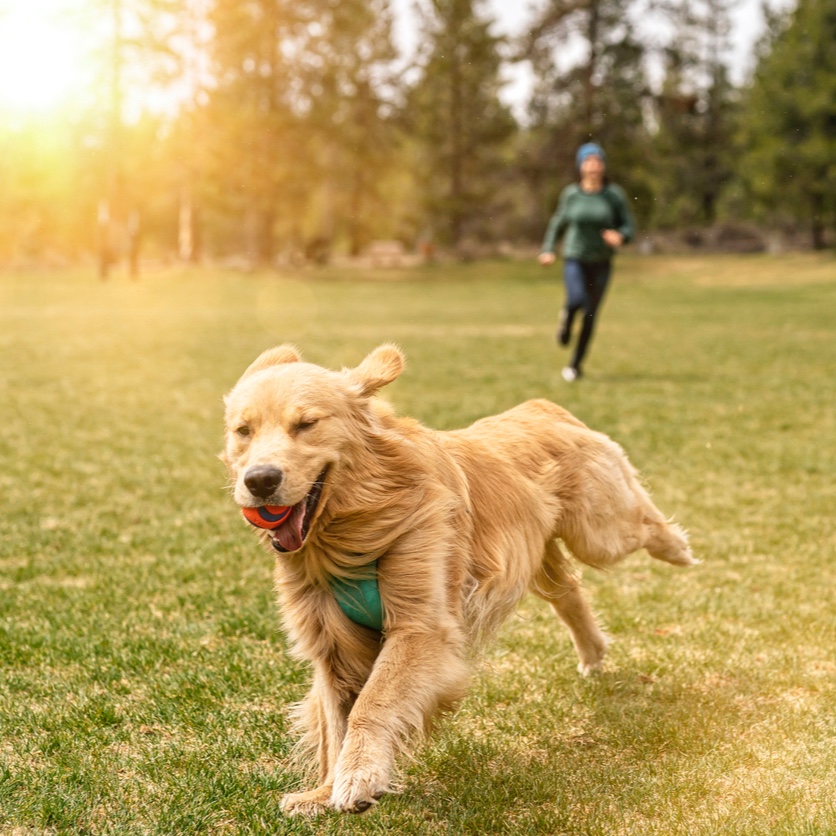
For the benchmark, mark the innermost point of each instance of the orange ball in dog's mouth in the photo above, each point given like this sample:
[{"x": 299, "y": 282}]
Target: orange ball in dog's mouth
[
  {"x": 288, "y": 524},
  {"x": 267, "y": 516}
]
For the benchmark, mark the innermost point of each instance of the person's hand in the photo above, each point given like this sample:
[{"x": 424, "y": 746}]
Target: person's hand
[
  {"x": 612, "y": 238},
  {"x": 546, "y": 259}
]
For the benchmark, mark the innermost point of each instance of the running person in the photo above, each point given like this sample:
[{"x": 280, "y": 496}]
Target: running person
[{"x": 594, "y": 219}]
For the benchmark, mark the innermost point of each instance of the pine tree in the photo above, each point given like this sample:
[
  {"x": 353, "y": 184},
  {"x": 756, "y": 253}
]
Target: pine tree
[
  {"x": 304, "y": 133},
  {"x": 190, "y": 53},
  {"x": 696, "y": 111},
  {"x": 789, "y": 121},
  {"x": 130, "y": 59},
  {"x": 599, "y": 96},
  {"x": 258, "y": 162},
  {"x": 459, "y": 123},
  {"x": 353, "y": 133}
]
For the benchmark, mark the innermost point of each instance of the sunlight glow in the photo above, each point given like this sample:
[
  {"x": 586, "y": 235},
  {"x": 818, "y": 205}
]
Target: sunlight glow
[{"x": 42, "y": 56}]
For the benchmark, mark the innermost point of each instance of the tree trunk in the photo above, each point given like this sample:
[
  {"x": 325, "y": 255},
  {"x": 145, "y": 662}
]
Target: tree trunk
[
  {"x": 104, "y": 235},
  {"x": 356, "y": 226},
  {"x": 134, "y": 242},
  {"x": 259, "y": 235},
  {"x": 185, "y": 227},
  {"x": 456, "y": 182},
  {"x": 589, "y": 80},
  {"x": 817, "y": 226},
  {"x": 110, "y": 206}
]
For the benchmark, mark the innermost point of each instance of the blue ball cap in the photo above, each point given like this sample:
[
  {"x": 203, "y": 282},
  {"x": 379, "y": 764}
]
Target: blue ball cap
[{"x": 590, "y": 149}]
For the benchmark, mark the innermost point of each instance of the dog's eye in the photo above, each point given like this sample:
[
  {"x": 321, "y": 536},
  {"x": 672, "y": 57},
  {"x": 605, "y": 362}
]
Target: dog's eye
[
  {"x": 244, "y": 431},
  {"x": 306, "y": 425}
]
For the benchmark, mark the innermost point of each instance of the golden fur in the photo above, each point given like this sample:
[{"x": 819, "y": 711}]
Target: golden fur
[{"x": 463, "y": 524}]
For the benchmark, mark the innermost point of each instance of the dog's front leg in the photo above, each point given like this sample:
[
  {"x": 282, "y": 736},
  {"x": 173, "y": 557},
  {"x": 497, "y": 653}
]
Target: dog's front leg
[
  {"x": 415, "y": 674},
  {"x": 326, "y": 713}
]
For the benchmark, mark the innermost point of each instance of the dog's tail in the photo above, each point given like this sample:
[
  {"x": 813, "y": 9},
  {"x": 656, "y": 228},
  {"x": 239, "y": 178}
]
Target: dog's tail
[{"x": 665, "y": 540}]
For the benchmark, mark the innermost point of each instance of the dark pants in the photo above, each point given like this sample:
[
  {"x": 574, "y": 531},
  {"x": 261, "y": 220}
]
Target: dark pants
[{"x": 586, "y": 282}]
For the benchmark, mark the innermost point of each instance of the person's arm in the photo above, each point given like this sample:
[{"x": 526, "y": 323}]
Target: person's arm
[
  {"x": 556, "y": 227},
  {"x": 625, "y": 225}
]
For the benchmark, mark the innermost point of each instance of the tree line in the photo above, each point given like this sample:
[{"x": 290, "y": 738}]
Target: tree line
[{"x": 300, "y": 131}]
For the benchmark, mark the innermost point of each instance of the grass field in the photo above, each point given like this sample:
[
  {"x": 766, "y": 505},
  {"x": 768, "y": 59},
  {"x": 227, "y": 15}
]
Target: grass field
[{"x": 143, "y": 678}]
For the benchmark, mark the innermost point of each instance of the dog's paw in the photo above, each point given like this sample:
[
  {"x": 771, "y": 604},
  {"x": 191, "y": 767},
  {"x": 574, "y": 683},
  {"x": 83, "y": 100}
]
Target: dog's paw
[
  {"x": 357, "y": 791},
  {"x": 311, "y": 803},
  {"x": 590, "y": 668},
  {"x": 592, "y": 653}
]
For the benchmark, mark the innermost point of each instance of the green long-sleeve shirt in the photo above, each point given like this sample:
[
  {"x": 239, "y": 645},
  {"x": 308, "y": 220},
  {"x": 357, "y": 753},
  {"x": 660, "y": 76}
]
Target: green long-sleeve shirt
[{"x": 582, "y": 216}]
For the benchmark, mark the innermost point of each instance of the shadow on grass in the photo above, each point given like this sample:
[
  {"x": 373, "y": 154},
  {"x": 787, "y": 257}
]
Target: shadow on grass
[{"x": 627, "y": 749}]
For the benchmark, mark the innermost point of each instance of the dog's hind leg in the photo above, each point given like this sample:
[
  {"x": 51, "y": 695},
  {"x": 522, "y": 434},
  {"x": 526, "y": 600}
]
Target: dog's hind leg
[
  {"x": 556, "y": 584},
  {"x": 611, "y": 515}
]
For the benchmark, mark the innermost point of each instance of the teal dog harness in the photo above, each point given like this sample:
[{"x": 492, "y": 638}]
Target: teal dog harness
[{"x": 360, "y": 600}]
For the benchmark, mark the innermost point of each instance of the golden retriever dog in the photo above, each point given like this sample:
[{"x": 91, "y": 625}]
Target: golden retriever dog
[{"x": 436, "y": 536}]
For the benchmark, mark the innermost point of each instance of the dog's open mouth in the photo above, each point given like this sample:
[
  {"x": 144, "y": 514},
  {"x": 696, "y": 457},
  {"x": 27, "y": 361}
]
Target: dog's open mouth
[{"x": 290, "y": 535}]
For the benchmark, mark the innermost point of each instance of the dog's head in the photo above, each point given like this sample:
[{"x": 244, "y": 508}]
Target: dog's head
[{"x": 289, "y": 424}]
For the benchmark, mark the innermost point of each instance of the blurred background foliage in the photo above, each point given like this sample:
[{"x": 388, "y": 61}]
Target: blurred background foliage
[{"x": 286, "y": 131}]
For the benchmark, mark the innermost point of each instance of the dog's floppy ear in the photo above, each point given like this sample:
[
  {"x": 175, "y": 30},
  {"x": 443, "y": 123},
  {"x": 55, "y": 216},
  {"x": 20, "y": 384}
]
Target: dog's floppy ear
[
  {"x": 382, "y": 366},
  {"x": 273, "y": 357}
]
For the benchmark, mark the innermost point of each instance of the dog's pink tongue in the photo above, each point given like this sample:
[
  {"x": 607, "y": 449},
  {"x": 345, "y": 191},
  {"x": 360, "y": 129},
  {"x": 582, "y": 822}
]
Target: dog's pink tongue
[{"x": 289, "y": 534}]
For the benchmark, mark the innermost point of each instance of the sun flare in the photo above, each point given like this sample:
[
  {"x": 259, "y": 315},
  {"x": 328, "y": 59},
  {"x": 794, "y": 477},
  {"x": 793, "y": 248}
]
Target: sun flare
[{"x": 42, "y": 56}]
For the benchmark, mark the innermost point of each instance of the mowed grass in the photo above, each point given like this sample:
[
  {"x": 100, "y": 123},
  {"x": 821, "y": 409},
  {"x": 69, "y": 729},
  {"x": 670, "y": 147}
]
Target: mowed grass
[{"x": 143, "y": 676}]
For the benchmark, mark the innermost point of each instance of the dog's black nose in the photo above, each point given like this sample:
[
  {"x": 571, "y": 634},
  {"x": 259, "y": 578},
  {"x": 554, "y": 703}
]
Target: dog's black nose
[{"x": 262, "y": 480}]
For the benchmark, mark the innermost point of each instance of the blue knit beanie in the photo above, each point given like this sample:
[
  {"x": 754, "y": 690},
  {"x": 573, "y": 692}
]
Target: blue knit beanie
[{"x": 588, "y": 150}]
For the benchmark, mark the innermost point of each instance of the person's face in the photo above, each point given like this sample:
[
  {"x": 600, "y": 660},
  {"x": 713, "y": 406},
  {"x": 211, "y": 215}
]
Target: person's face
[{"x": 593, "y": 166}]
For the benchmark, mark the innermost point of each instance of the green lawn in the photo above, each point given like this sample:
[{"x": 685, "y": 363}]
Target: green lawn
[{"x": 143, "y": 678}]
